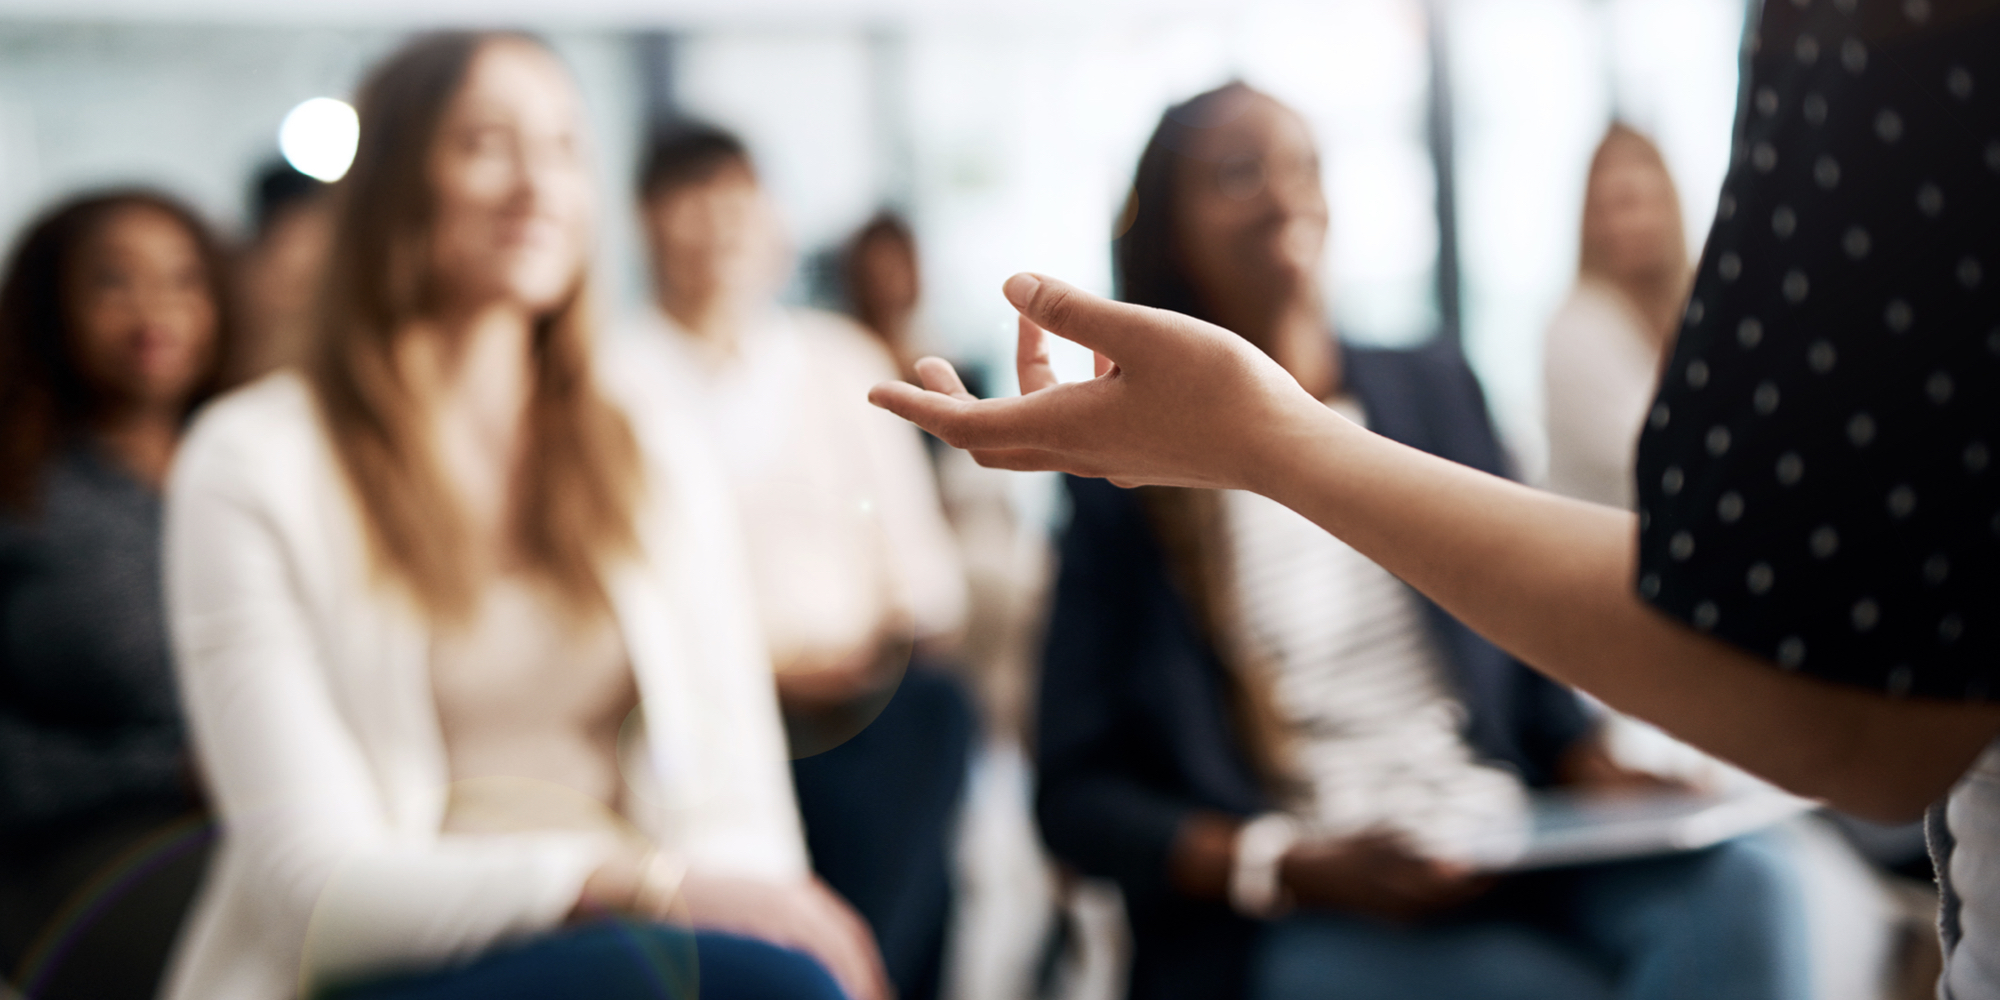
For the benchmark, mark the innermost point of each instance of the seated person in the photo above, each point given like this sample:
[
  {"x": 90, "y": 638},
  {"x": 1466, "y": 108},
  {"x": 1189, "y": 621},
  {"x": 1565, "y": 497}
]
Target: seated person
[
  {"x": 884, "y": 287},
  {"x": 1603, "y": 350},
  {"x": 1282, "y": 754},
  {"x": 277, "y": 273},
  {"x": 113, "y": 322},
  {"x": 853, "y": 564},
  {"x": 468, "y": 655}
]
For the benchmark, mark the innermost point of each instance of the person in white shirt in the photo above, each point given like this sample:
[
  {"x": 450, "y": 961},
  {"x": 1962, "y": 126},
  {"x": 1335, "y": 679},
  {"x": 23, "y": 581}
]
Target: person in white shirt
[
  {"x": 856, "y": 572},
  {"x": 469, "y": 657},
  {"x": 1602, "y": 353}
]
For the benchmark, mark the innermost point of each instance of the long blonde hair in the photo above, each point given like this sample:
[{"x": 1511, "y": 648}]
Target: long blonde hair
[
  {"x": 1592, "y": 259},
  {"x": 577, "y": 484}
]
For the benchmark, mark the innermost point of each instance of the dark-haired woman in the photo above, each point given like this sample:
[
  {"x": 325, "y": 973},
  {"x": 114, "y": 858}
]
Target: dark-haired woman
[
  {"x": 468, "y": 654},
  {"x": 884, "y": 286},
  {"x": 1810, "y": 587},
  {"x": 1284, "y": 754},
  {"x": 112, "y": 320}
]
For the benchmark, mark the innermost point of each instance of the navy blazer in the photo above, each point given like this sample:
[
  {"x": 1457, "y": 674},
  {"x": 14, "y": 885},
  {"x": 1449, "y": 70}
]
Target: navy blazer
[{"x": 1134, "y": 729}]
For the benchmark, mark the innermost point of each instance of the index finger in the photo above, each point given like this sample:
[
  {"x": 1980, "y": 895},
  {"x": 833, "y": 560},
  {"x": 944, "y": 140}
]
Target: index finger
[
  {"x": 1116, "y": 330},
  {"x": 964, "y": 422}
]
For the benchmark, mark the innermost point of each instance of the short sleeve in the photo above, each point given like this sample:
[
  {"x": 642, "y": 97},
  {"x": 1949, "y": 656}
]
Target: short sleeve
[{"x": 1817, "y": 476}]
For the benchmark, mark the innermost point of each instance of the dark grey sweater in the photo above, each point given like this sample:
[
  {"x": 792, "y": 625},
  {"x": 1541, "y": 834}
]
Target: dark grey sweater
[{"x": 89, "y": 719}]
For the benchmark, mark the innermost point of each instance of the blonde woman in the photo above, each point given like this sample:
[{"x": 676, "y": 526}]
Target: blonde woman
[
  {"x": 1602, "y": 354},
  {"x": 470, "y": 665}
]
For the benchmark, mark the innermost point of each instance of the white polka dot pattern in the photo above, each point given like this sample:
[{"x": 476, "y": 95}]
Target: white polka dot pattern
[{"x": 1817, "y": 480}]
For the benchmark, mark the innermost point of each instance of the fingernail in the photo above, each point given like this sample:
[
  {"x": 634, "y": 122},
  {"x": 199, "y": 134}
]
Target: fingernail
[{"x": 1020, "y": 289}]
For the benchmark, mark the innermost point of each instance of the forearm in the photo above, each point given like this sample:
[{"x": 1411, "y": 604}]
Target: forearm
[
  {"x": 1550, "y": 580},
  {"x": 1203, "y": 855},
  {"x": 1109, "y": 825}
]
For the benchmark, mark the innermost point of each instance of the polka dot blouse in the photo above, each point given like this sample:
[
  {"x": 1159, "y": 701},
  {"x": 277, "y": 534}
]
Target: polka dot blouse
[{"x": 1819, "y": 478}]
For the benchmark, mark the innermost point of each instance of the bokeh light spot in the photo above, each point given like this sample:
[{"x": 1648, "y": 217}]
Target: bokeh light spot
[{"x": 318, "y": 137}]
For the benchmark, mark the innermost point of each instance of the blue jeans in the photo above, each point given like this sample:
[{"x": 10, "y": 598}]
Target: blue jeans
[
  {"x": 1726, "y": 923},
  {"x": 616, "y": 960},
  {"x": 880, "y": 812}
]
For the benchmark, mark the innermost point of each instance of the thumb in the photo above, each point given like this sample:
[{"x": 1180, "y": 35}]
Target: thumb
[{"x": 1116, "y": 330}]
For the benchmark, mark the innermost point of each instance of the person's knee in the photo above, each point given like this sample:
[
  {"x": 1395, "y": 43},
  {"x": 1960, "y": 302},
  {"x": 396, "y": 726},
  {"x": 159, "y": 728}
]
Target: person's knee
[
  {"x": 1750, "y": 876},
  {"x": 1748, "y": 879},
  {"x": 941, "y": 701},
  {"x": 741, "y": 968},
  {"x": 1354, "y": 960},
  {"x": 1730, "y": 912},
  {"x": 1509, "y": 962}
]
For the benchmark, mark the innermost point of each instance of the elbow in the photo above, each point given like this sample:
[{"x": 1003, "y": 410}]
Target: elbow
[
  {"x": 1075, "y": 833},
  {"x": 1052, "y": 817},
  {"x": 1873, "y": 790},
  {"x": 1880, "y": 803}
]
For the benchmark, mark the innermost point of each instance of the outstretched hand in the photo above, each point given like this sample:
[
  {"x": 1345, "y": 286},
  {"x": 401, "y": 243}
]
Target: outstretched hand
[{"x": 1175, "y": 401}]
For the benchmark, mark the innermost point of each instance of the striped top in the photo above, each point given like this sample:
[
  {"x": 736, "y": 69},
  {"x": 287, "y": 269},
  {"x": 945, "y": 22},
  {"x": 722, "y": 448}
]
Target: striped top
[{"x": 1376, "y": 725}]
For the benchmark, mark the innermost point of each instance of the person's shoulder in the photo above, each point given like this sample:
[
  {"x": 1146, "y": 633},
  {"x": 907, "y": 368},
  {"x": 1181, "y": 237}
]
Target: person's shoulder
[
  {"x": 268, "y": 414},
  {"x": 1437, "y": 363},
  {"x": 644, "y": 373},
  {"x": 685, "y": 501},
  {"x": 833, "y": 326},
  {"x": 1591, "y": 313},
  {"x": 837, "y": 340},
  {"x": 646, "y": 336},
  {"x": 1100, "y": 505},
  {"x": 1589, "y": 302},
  {"x": 269, "y": 429},
  {"x": 1428, "y": 397},
  {"x": 635, "y": 355}
]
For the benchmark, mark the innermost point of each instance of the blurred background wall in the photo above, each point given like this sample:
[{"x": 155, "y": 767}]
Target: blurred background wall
[{"x": 1006, "y": 132}]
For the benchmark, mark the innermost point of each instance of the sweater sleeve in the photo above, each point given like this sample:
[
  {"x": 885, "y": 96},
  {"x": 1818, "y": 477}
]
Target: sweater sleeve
[
  {"x": 305, "y": 823},
  {"x": 720, "y": 771}
]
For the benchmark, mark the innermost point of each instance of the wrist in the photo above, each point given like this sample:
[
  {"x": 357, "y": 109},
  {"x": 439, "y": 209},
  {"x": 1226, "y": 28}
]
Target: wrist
[
  {"x": 1203, "y": 852},
  {"x": 1256, "y": 883},
  {"x": 660, "y": 877},
  {"x": 1277, "y": 458}
]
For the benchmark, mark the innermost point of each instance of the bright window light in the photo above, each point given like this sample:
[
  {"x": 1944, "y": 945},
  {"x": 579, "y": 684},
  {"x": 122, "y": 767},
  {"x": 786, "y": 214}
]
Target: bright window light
[{"x": 318, "y": 138}]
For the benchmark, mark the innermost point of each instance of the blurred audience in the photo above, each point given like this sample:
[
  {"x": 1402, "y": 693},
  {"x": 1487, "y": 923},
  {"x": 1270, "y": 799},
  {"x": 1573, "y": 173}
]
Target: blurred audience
[
  {"x": 1286, "y": 757},
  {"x": 885, "y": 286},
  {"x": 855, "y": 569},
  {"x": 1005, "y": 554},
  {"x": 114, "y": 316},
  {"x": 475, "y": 620},
  {"x": 277, "y": 272},
  {"x": 1602, "y": 355},
  {"x": 468, "y": 656}
]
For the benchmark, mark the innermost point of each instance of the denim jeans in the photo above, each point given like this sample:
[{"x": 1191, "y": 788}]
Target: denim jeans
[
  {"x": 880, "y": 812},
  {"x": 616, "y": 960},
  {"x": 1726, "y": 923}
]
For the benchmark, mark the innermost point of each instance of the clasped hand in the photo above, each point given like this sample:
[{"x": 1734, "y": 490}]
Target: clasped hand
[{"x": 803, "y": 914}]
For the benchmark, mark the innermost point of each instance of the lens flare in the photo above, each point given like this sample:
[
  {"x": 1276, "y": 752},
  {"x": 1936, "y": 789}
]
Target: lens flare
[
  {"x": 111, "y": 884},
  {"x": 319, "y": 136}
]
